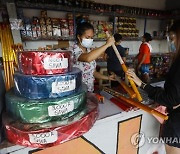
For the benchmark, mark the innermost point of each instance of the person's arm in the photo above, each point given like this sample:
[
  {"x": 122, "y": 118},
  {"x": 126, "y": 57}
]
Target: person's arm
[
  {"x": 136, "y": 56},
  {"x": 124, "y": 59},
  {"x": 123, "y": 54},
  {"x": 105, "y": 56},
  {"x": 94, "y": 54},
  {"x": 169, "y": 96},
  {"x": 144, "y": 57},
  {"x": 98, "y": 75}
]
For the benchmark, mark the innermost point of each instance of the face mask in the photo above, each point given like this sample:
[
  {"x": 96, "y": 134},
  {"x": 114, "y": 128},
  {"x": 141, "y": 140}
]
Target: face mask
[
  {"x": 172, "y": 46},
  {"x": 87, "y": 43}
]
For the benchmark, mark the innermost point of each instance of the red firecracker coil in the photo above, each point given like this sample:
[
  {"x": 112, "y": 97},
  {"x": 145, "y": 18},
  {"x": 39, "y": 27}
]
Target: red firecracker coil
[{"x": 44, "y": 62}]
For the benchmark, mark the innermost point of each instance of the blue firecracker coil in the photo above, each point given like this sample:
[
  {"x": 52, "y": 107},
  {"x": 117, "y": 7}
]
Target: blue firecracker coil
[{"x": 48, "y": 86}]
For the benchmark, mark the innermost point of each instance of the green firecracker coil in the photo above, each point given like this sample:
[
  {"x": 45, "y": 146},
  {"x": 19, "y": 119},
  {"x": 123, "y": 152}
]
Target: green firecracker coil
[{"x": 45, "y": 110}]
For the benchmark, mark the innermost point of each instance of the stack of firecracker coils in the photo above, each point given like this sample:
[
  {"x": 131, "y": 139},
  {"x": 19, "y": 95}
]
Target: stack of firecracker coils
[{"x": 49, "y": 104}]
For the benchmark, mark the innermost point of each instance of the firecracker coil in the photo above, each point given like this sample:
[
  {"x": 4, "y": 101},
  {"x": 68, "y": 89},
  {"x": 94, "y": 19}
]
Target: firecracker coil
[
  {"x": 48, "y": 86},
  {"x": 45, "y": 110},
  {"x": 44, "y": 62}
]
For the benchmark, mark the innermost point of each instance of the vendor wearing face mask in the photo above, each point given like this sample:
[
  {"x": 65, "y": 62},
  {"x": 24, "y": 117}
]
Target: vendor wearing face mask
[{"x": 84, "y": 58}]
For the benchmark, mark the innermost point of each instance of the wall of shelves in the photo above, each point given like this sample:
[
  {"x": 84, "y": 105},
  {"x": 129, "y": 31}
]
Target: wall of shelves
[
  {"x": 153, "y": 24},
  {"x": 29, "y": 13}
]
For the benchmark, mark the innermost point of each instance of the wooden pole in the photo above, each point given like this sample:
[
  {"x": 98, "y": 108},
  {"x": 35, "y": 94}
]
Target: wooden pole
[
  {"x": 137, "y": 104},
  {"x": 131, "y": 93},
  {"x": 124, "y": 66}
]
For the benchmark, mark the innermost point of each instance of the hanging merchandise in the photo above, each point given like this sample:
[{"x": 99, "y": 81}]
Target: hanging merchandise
[
  {"x": 16, "y": 24},
  {"x": 7, "y": 54},
  {"x": 48, "y": 86},
  {"x": 53, "y": 133},
  {"x": 44, "y": 62},
  {"x": 45, "y": 110}
]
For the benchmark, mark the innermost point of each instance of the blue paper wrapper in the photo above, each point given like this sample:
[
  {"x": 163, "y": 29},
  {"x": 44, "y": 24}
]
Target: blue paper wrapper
[{"x": 48, "y": 86}]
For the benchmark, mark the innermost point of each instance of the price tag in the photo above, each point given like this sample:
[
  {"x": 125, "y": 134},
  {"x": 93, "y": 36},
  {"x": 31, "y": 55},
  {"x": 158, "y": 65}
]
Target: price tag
[
  {"x": 55, "y": 63},
  {"x": 63, "y": 86},
  {"x": 57, "y": 110},
  {"x": 44, "y": 138}
]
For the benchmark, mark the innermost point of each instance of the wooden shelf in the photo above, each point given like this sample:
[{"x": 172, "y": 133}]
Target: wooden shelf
[
  {"x": 73, "y": 39},
  {"x": 131, "y": 38},
  {"x": 142, "y": 16},
  {"x": 47, "y": 39},
  {"x": 60, "y": 8},
  {"x": 159, "y": 38},
  {"x": 57, "y": 7}
]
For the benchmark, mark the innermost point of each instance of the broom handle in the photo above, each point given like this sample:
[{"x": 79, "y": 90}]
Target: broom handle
[
  {"x": 131, "y": 93},
  {"x": 137, "y": 104}
]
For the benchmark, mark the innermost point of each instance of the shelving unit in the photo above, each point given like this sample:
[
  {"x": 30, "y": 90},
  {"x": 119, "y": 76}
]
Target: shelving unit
[
  {"x": 60, "y": 8},
  {"x": 48, "y": 39},
  {"x": 75, "y": 10}
]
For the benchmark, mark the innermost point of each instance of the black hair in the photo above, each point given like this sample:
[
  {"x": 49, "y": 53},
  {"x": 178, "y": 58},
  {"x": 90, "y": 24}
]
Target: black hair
[
  {"x": 147, "y": 37},
  {"x": 117, "y": 37},
  {"x": 82, "y": 27}
]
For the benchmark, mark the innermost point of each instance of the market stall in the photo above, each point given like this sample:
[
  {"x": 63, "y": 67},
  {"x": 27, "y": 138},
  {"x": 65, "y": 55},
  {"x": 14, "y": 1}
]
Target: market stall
[{"x": 59, "y": 94}]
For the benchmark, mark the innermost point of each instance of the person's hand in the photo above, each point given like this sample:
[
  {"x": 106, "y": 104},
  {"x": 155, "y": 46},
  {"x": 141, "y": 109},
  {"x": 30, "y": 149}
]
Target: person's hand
[
  {"x": 133, "y": 76},
  {"x": 110, "y": 41},
  {"x": 112, "y": 77}
]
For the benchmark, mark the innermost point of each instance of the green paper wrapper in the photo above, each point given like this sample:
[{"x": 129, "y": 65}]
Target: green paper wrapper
[{"x": 45, "y": 110}]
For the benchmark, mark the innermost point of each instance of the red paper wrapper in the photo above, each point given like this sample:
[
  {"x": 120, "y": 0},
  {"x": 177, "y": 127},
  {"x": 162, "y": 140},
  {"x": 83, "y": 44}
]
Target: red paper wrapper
[
  {"x": 54, "y": 133},
  {"x": 44, "y": 62}
]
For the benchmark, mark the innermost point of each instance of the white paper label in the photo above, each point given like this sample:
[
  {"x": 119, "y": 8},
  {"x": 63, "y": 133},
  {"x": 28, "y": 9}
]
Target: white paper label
[
  {"x": 55, "y": 63},
  {"x": 44, "y": 138},
  {"x": 57, "y": 110},
  {"x": 63, "y": 86}
]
